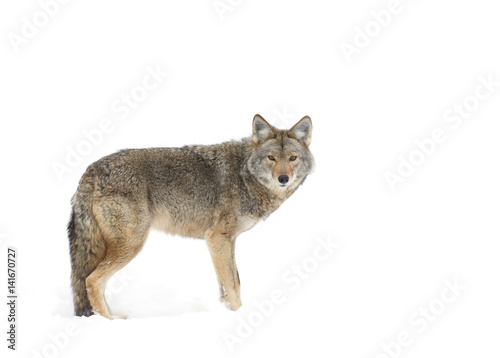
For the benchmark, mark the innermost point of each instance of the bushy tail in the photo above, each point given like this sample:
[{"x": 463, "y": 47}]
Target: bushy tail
[{"x": 87, "y": 248}]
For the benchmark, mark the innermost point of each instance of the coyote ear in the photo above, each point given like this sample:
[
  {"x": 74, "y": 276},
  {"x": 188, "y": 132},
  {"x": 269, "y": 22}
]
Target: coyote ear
[
  {"x": 302, "y": 130},
  {"x": 262, "y": 130}
]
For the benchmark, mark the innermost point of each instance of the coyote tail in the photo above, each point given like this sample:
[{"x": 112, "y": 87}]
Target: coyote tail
[{"x": 87, "y": 248}]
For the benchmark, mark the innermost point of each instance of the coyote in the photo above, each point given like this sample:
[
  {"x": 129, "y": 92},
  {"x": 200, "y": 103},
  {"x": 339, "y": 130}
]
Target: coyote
[{"x": 211, "y": 192}]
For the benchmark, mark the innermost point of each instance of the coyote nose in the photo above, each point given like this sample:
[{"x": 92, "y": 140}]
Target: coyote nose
[{"x": 283, "y": 179}]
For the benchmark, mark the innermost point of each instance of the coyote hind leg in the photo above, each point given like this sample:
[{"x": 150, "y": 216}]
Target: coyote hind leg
[
  {"x": 116, "y": 258},
  {"x": 125, "y": 226}
]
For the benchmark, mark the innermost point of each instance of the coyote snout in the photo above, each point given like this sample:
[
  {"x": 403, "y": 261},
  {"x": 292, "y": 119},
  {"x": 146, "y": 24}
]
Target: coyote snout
[
  {"x": 212, "y": 192},
  {"x": 283, "y": 179}
]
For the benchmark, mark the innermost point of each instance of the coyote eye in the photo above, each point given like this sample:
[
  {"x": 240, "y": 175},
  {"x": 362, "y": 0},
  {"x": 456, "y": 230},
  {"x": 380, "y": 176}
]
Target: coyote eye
[
  {"x": 270, "y": 157},
  {"x": 292, "y": 158}
]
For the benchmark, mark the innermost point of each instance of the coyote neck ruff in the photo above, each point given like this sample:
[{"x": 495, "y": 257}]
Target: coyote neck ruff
[{"x": 212, "y": 192}]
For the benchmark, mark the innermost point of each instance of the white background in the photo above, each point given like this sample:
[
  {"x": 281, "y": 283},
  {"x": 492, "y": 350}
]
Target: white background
[{"x": 282, "y": 59}]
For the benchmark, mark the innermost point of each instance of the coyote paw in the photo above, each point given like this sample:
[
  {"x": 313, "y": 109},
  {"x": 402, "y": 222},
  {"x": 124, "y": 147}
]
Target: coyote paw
[{"x": 232, "y": 306}]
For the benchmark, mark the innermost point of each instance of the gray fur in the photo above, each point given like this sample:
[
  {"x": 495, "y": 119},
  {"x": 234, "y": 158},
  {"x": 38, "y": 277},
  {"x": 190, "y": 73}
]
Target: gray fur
[{"x": 212, "y": 192}]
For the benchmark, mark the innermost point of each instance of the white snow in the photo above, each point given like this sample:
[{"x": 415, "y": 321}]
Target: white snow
[{"x": 397, "y": 253}]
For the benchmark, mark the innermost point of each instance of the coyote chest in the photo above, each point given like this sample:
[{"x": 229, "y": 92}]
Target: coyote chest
[{"x": 245, "y": 223}]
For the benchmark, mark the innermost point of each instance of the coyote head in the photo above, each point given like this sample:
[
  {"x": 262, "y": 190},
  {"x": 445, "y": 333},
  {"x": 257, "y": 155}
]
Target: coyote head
[{"x": 281, "y": 158}]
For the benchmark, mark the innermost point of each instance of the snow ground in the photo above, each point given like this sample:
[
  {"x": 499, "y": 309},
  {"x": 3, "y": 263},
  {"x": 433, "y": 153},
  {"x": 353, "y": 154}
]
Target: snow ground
[{"x": 409, "y": 273}]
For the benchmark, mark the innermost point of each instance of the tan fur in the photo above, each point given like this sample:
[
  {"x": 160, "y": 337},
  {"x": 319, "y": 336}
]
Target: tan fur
[{"x": 208, "y": 192}]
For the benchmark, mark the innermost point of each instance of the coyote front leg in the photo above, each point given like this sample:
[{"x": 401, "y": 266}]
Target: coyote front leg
[{"x": 221, "y": 249}]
